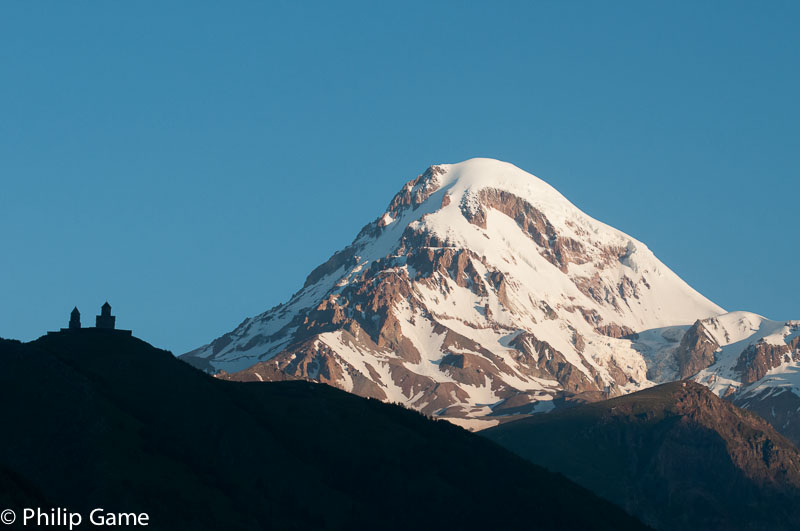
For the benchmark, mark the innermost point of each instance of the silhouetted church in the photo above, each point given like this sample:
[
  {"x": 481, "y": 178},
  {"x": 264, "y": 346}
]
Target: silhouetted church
[
  {"x": 105, "y": 319},
  {"x": 104, "y": 322},
  {"x": 75, "y": 319}
]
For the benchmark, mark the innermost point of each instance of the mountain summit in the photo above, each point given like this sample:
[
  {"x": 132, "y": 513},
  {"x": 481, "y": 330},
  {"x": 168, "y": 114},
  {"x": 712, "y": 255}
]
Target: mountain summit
[{"x": 481, "y": 291}]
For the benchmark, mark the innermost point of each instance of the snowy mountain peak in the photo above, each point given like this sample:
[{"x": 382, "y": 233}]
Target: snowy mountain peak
[
  {"x": 477, "y": 173},
  {"x": 480, "y": 291}
]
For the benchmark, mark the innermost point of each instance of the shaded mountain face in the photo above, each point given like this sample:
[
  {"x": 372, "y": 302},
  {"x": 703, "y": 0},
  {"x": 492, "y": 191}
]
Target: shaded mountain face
[
  {"x": 479, "y": 294},
  {"x": 106, "y": 420},
  {"x": 676, "y": 455}
]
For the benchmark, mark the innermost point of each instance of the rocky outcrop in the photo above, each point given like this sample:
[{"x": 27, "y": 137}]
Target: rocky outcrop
[
  {"x": 696, "y": 351},
  {"x": 416, "y": 191},
  {"x": 615, "y": 294},
  {"x": 541, "y": 360},
  {"x": 615, "y": 330},
  {"x": 757, "y": 359},
  {"x": 557, "y": 249},
  {"x": 339, "y": 259}
]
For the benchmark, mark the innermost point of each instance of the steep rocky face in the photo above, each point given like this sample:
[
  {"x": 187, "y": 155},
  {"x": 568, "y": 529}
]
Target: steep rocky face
[
  {"x": 479, "y": 290},
  {"x": 676, "y": 455},
  {"x": 696, "y": 351},
  {"x": 555, "y": 248},
  {"x": 758, "y": 358}
]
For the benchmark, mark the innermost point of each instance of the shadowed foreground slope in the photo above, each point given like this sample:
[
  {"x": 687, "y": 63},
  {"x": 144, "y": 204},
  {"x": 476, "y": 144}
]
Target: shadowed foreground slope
[
  {"x": 103, "y": 420},
  {"x": 676, "y": 455}
]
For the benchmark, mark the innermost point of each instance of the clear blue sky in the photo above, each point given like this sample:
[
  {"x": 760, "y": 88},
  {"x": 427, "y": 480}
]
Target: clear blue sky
[{"x": 192, "y": 162}]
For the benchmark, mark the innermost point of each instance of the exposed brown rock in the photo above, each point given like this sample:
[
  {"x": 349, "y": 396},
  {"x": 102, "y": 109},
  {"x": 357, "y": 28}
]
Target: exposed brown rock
[
  {"x": 416, "y": 191},
  {"x": 541, "y": 360},
  {"x": 757, "y": 359},
  {"x": 466, "y": 368},
  {"x": 416, "y": 238},
  {"x": 464, "y": 353},
  {"x": 594, "y": 288},
  {"x": 608, "y": 329},
  {"x": 619, "y": 375},
  {"x": 549, "y": 312},
  {"x": 696, "y": 351},
  {"x": 498, "y": 281},
  {"x": 590, "y": 316},
  {"x": 614, "y": 330},
  {"x": 456, "y": 264},
  {"x": 578, "y": 341},
  {"x": 558, "y": 250},
  {"x": 339, "y": 259},
  {"x": 628, "y": 289}
]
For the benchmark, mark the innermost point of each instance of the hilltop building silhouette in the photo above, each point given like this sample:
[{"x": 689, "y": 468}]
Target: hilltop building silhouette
[
  {"x": 75, "y": 319},
  {"x": 105, "y": 322},
  {"x": 105, "y": 319}
]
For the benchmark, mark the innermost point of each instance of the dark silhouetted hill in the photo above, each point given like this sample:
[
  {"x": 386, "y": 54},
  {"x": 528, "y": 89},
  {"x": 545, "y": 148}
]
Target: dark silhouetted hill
[{"x": 105, "y": 420}]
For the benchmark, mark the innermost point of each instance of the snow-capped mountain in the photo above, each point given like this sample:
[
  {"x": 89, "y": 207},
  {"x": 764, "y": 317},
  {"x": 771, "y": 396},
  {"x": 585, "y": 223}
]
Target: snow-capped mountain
[{"x": 480, "y": 292}]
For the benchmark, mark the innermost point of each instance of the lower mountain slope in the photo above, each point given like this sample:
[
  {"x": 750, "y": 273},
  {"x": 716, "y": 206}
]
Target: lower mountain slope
[
  {"x": 676, "y": 455},
  {"x": 106, "y": 420}
]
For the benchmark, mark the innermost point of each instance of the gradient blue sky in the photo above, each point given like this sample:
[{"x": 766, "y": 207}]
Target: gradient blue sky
[{"x": 191, "y": 162}]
